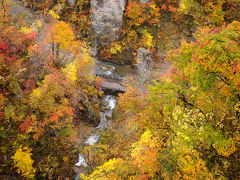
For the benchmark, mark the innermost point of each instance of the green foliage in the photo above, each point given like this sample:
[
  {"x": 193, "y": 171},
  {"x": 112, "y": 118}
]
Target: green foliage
[
  {"x": 192, "y": 129},
  {"x": 207, "y": 68},
  {"x": 185, "y": 126},
  {"x": 193, "y": 111},
  {"x": 206, "y": 79},
  {"x": 210, "y": 12},
  {"x": 49, "y": 166}
]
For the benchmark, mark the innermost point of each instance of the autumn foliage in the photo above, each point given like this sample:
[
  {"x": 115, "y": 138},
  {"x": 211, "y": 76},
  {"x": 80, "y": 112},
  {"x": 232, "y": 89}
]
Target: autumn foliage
[
  {"x": 38, "y": 96},
  {"x": 187, "y": 125},
  {"x": 183, "y": 125}
]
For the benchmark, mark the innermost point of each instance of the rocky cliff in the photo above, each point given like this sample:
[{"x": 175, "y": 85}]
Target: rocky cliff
[{"x": 106, "y": 19}]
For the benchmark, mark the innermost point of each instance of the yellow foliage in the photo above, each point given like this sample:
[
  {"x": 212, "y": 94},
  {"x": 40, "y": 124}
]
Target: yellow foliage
[
  {"x": 85, "y": 57},
  {"x": 54, "y": 14},
  {"x": 33, "y": 27},
  {"x": 147, "y": 40},
  {"x": 71, "y": 71},
  {"x": 62, "y": 34},
  {"x": 43, "y": 97},
  {"x": 80, "y": 66},
  {"x": 186, "y": 5},
  {"x": 225, "y": 147},
  {"x": 191, "y": 165},
  {"x": 23, "y": 162},
  {"x": 116, "y": 48},
  {"x": 207, "y": 11},
  {"x": 27, "y": 29},
  {"x": 111, "y": 170},
  {"x": 39, "y": 23}
]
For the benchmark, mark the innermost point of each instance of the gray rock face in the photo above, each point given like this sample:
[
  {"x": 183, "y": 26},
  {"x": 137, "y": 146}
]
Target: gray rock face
[
  {"x": 144, "y": 1},
  {"x": 71, "y": 2},
  {"x": 107, "y": 19},
  {"x": 89, "y": 112},
  {"x": 144, "y": 64}
]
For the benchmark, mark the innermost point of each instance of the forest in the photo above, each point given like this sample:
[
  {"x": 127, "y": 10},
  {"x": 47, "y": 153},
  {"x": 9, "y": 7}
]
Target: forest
[{"x": 119, "y": 89}]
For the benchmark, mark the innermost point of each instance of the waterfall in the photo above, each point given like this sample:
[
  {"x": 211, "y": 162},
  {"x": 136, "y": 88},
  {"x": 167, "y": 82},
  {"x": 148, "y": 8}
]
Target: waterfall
[
  {"x": 108, "y": 104},
  {"x": 106, "y": 22}
]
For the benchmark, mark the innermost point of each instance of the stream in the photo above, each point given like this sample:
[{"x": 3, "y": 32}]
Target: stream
[
  {"x": 109, "y": 103},
  {"x": 106, "y": 22}
]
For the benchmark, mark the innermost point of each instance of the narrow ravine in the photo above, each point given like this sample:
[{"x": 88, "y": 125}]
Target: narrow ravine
[
  {"x": 106, "y": 21},
  {"x": 108, "y": 106},
  {"x": 119, "y": 89}
]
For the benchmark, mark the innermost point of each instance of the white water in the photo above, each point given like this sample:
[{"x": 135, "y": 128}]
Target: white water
[
  {"x": 110, "y": 103},
  {"x": 93, "y": 139},
  {"x": 81, "y": 161}
]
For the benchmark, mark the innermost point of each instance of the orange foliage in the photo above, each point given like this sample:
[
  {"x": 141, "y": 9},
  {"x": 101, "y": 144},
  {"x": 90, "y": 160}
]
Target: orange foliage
[{"x": 25, "y": 125}]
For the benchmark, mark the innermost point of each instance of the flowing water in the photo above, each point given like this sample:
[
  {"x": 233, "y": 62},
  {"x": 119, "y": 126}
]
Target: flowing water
[
  {"x": 108, "y": 104},
  {"x": 106, "y": 21}
]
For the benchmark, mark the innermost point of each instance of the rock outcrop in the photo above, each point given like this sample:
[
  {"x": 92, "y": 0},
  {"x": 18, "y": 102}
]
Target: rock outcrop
[
  {"x": 144, "y": 65},
  {"x": 107, "y": 19},
  {"x": 89, "y": 113},
  {"x": 71, "y": 2},
  {"x": 144, "y": 1}
]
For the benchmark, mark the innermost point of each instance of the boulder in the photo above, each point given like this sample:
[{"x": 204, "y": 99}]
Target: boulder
[{"x": 109, "y": 114}]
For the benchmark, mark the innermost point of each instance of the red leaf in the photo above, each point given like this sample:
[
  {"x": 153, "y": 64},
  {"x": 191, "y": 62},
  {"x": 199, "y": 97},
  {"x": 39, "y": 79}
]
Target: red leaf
[{"x": 25, "y": 125}]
